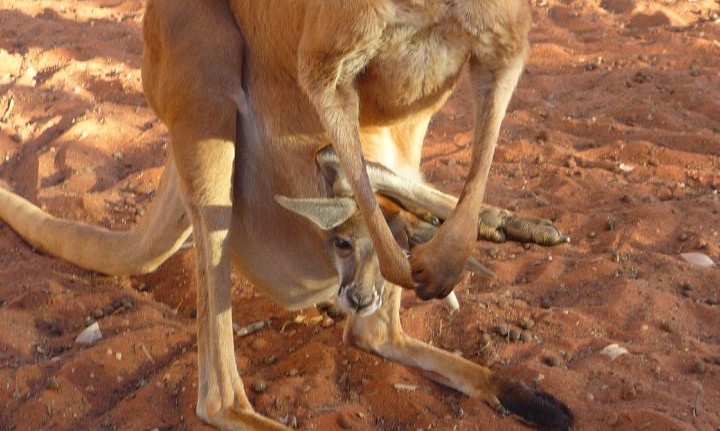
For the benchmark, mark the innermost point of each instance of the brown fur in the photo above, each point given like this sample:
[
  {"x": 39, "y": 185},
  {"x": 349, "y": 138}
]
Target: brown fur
[
  {"x": 383, "y": 67},
  {"x": 250, "y": 90}
]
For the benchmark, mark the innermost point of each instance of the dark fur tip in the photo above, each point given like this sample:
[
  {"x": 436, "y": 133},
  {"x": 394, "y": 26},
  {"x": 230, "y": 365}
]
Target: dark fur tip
[{"x": 537, "y": 408}]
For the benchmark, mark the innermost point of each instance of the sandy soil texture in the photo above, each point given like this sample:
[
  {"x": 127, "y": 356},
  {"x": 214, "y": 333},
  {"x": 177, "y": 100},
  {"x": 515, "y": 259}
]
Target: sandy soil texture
[{"x": 614, "y": 133}]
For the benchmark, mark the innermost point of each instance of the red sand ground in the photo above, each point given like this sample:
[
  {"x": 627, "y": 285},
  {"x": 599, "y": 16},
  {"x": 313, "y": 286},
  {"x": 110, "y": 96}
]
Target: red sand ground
[{"x": 609, "y": 84}]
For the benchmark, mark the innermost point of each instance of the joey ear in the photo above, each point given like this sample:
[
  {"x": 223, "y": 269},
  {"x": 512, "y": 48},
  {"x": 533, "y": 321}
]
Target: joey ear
[
  {"x": 332, "y": 170},
  {"x": 420, "y": 232},
  {"x": 399, "y": 231},
  {"x": 326, "y": 213}
]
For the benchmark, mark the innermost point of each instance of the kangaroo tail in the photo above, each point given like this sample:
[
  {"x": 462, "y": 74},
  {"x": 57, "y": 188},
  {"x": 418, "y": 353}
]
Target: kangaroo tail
[{"x": 138, "y": 250}]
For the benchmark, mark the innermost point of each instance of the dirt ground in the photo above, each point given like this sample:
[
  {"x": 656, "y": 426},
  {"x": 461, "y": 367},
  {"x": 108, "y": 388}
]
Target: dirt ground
[{"x": 614, "y": 132}]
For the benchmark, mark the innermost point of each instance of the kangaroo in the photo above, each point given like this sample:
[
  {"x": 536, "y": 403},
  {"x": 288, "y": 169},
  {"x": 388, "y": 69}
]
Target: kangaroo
[
  {"x": 373, "y": 307},
  {"x": 250, "y": 92},
  {"x": 412, "y": 209}
]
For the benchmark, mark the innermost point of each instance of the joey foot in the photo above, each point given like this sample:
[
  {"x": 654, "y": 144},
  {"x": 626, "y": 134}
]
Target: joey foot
[
  {"x": 535, "y": 230},
  {"x": 537, "y": 408},
  {"x": 499, "y": 225},
  {"x": 438, "y": 264}
]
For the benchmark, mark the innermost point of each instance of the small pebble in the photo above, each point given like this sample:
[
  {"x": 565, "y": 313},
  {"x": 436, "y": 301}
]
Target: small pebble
[
  {"x": 328, "y": 322},
  {"x": 667, "y": 326},
  {"x": 142, "y": 287},
  {"x": 345, "y": 422},
  {"x": 612, "y": 419},
  {"x": 259, "y": 386},
  {"x": 98, "y": 313},
  {"x": 592, "y": 235},
  {"x": 89, "y": 335},
  {"x": 514, "y": 335},
  {"x": 525, "y": 336},
  {"x": 629, "y": 392},
  {"x": 698, "y": 259}
]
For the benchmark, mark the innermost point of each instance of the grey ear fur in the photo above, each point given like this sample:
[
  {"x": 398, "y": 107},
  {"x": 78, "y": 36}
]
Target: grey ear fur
[
  {"x": 326, "y": 213},
  {"x": 423, "y": 232}
]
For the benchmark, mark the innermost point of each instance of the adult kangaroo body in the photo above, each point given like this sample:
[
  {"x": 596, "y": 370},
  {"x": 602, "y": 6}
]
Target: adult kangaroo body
[{"x": 250, "y": 92}]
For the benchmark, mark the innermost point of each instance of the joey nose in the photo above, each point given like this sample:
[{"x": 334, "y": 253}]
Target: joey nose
[{"x": 357, "y": 300}]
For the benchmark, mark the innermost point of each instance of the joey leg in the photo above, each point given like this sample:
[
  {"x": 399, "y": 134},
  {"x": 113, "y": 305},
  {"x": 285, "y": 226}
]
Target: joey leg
[
  {"x": 434, "y": 206},
  {"x": 381, "y": 333}
]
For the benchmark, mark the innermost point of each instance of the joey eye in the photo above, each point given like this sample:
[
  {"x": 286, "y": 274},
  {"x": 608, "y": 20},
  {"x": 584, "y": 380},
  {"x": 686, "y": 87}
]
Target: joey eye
[{"x": 342, "y": 244}]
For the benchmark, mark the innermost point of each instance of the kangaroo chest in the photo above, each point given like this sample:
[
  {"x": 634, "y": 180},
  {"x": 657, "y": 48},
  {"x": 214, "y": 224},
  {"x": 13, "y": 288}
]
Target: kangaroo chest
[{"x": 413, "y": 70}]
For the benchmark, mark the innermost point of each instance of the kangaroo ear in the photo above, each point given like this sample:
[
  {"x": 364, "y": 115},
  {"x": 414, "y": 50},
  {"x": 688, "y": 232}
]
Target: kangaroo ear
[{"x": 326, "y": 213}]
